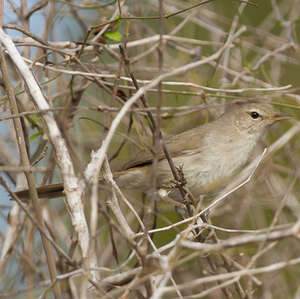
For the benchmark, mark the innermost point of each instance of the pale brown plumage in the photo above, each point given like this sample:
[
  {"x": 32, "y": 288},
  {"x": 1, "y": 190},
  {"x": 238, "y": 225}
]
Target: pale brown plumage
[{"x": 208, "y": 154}]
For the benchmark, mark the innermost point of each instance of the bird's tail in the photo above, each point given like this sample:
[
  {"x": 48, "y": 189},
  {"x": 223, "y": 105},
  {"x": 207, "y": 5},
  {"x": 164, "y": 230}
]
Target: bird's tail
[{"x": 132, "y": 179}]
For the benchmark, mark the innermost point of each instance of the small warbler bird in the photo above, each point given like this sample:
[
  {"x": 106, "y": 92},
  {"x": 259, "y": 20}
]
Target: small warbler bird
[{"x": 208, "y": 155}]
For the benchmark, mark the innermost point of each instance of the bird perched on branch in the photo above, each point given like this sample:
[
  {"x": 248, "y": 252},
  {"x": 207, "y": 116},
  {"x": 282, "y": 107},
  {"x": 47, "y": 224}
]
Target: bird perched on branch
[{"x": 208, "y": 155}]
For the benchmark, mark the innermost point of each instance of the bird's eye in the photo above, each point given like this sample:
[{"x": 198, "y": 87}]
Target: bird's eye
[{"x": 254, "y": 114}]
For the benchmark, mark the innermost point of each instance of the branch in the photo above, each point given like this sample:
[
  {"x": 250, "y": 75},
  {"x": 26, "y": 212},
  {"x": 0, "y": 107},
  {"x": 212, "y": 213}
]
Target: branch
[{"x": 71, "y": 183}]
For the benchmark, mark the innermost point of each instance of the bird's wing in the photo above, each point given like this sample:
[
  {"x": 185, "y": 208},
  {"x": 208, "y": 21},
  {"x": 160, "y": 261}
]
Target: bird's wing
[{"x": 184, "y": 143}]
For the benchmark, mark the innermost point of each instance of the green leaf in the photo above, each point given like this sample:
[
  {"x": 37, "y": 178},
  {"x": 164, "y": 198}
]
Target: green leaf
[
  {"x": 34, "y": 136},
  {"x": 114, "y": 35},
  {"x": 35, "y": 118},
  {"x": 118, "y": 25}
]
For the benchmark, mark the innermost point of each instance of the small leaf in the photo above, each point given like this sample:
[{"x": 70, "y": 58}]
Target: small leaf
[
  {"x": 35, "y": 119},
  {"x": 117, "y": 26},
  {"x": 114, "y": 35},
  {"x": 34, "y": 136}
]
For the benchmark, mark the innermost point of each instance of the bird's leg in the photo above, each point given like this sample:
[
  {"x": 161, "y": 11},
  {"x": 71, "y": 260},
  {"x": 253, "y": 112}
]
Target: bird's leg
[
  {"x": 177, "y": 192},
  {"x": 163, "y": 193}
]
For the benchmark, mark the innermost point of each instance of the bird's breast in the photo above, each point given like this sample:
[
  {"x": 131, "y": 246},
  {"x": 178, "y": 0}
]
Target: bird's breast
[{"x": 205, "y": 171}]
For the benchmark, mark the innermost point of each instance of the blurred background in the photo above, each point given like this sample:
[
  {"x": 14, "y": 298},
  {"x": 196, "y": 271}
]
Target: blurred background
[{"x": 73, "y": 49}]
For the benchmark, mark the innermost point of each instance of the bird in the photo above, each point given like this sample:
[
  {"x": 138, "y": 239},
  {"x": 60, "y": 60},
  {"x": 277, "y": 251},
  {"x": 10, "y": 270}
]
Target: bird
[{"x": 208, "y": 155}]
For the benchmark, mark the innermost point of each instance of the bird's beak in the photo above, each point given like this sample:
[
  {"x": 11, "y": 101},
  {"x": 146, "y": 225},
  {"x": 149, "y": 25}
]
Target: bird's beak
[{"x": 277, "y": 117}]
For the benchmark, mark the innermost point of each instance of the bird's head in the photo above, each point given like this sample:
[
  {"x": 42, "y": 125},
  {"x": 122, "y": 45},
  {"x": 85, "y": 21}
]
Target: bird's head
[{"x": 253, "y": 117}]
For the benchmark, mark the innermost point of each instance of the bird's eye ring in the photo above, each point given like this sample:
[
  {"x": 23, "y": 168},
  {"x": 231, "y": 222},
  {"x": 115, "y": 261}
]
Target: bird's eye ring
[{"x": 254, "y": 114}]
